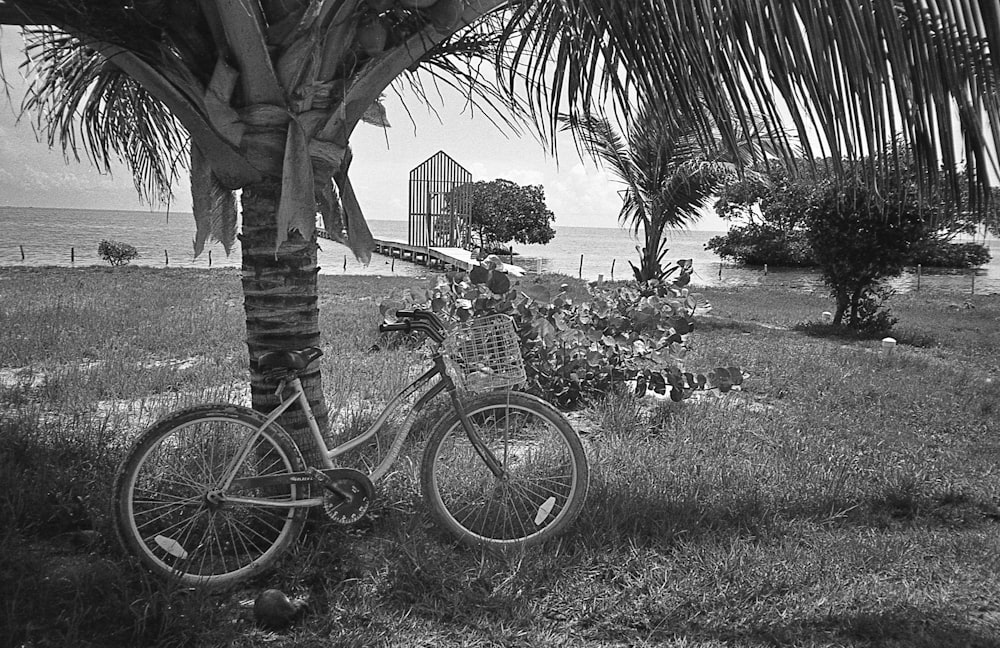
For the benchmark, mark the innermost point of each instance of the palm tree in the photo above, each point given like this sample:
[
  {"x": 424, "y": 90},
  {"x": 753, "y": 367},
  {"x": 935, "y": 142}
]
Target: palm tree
[
  {"x": 268, "y": 92},
  {"x": 669, "y": 173}
]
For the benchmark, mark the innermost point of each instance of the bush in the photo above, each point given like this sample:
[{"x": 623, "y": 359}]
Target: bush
[
  {"x": 861, "y": 235},
  {"x": 117, "y": 253},
  {"x": 942, "y": 254},
  {"x": 757, "y": 244},
  {"x": 631, "y": 335}
]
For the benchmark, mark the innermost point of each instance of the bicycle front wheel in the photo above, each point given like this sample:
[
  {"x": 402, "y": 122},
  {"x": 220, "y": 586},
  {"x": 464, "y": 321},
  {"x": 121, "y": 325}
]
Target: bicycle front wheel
[
  {"x": 533, "y": 492},
  {"x": 172, "y": 509}
]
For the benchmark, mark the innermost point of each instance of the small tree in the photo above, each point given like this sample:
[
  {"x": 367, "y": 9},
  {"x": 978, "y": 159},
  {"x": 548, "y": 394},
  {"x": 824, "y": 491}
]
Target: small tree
[
  {"x": 503, "y": 211},
  {"x": 769, "y": 206},
  {"x": 116, "y": 253},
  {"x": 861, "y": 235}
]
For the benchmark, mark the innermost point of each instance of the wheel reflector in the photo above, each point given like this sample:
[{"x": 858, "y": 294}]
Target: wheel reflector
[
  {"x": 544, "y": 510},
  {"x": 172, "y": 547}
]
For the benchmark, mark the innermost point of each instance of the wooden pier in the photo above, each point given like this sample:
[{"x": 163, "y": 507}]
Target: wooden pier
[{"x": 441, "y": 257}]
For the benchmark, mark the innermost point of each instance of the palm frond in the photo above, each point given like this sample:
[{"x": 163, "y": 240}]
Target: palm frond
[
  {"x": 214, "y": 206},
  {"x": 858, "y": 73},
  {"x": 84, "y": 103}
]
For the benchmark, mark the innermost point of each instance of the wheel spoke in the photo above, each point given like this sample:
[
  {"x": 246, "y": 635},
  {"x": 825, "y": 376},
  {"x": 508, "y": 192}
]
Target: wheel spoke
[
  {"x": 162, "y": 508},
  {"x": 543, "y": 483}
]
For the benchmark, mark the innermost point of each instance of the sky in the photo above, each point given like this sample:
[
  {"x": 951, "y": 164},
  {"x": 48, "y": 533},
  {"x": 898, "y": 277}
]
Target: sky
[{"x": 577, "y": 191}]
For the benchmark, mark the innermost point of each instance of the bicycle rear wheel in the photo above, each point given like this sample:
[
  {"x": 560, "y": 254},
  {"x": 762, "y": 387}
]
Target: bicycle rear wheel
[
  {"x": 541, "y": 487},
  {"x": 170, "y": 509}
]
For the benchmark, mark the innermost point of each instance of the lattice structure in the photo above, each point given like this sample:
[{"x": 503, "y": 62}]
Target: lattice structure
[{"x": 440, "y": 203}]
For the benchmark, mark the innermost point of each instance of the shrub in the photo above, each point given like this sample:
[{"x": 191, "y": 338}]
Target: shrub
[
  {"x": 574, "y": 351},
  {"x": 116, "y": 253},
  {"x": 861, "y": 235},
  {"x": 757, "y": 244},
  {"x": 942, "y": 254}
]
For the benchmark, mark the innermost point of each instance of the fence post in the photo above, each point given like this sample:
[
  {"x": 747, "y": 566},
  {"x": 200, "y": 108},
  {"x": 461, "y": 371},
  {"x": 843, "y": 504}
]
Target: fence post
[
  {"x": 613, "y": 269},
  {"x": 166, "y": 258},
  {"x": 22, "y": 251},
  {"x": 973, "y": 282},
  {"x": 918, "y": 277},
  {"x": 209, "y": 258},
  {"x": 581, "y": 266},
  {"x": 72, "y": 255}
]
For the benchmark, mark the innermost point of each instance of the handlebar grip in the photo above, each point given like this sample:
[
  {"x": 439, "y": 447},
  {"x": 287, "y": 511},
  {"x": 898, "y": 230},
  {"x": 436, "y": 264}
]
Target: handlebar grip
[
  {"x": 421, "y": 314},
  {"x": 416, "y": 313},
  {"x": 398, "y": 326}
]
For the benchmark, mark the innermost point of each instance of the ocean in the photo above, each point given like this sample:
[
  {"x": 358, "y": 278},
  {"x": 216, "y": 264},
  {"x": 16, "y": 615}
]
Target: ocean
[{"x": 67, "y": 237}]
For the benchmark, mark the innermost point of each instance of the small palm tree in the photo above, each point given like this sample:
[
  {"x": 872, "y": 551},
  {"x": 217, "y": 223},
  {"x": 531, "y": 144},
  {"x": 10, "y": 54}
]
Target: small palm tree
[{"x": 669, "y": 171}]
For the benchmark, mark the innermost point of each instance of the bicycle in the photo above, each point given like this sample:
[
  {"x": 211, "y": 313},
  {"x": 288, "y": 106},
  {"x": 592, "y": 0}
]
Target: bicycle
[{"x": 213, "y": 494}]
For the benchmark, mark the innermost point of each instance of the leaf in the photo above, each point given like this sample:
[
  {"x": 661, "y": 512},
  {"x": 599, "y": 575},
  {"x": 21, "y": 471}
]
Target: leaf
[
  {"x": 213, "y": 205},
  {"x": 329, "y": 206},
  {"x": 499, "y": 283},
  {"x": 600, "y": 308},
  {"x": 538, "y": 293},
  {"x": 359, "y": 237},
  {"x": 720, "y": 379},
  {"x": 375, "y": 115},
  {"x": 388, "y": 310},
  {"x": 297, "y": 206},
  {"x": 479, "y": 275}
]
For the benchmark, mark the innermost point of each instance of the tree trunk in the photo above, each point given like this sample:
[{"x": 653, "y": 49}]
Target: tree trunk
[
  {"x": 281, "y": 304},
  {"x": 855, "y": 303},
  {"x": 843, "y": 301}
]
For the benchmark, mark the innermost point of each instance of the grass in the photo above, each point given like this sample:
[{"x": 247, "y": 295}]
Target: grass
[{"x": 844, "y": 498}]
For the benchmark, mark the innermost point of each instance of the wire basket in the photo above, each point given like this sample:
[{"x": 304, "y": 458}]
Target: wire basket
[{"x": 486, "y": 354}]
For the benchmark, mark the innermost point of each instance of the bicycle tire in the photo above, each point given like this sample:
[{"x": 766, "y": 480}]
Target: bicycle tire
[
  {"x": 162, "y": 510},
  {"x": 545, "y": 479}
]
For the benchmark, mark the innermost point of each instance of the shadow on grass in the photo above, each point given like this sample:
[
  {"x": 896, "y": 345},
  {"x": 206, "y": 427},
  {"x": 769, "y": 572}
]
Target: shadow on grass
[
  {"x": 648, "y": 520},
  {"x": 839, "y": 332},
  {"x": 901, "y": 626}
]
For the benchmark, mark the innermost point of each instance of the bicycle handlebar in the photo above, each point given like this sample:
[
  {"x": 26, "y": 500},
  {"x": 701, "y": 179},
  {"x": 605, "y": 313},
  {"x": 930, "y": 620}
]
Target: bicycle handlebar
[
  {"x": 426, "y": 322},
  {"x": 422, "y": 315}
]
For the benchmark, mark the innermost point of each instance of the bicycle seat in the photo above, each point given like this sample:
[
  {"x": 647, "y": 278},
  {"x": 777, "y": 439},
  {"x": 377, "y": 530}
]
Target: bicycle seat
[{"x": 294, "y": 360}]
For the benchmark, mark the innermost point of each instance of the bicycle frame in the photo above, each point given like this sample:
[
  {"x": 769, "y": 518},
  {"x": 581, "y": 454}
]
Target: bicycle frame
[{"x": 445, "y": 383}]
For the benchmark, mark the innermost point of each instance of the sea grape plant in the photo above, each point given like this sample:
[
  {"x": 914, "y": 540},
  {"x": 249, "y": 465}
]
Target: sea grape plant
[{"x": 622, "y": 336}]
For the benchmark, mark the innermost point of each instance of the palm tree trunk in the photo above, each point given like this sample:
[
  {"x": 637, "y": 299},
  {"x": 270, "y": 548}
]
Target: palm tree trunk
[{"x": 281, "y": 304}]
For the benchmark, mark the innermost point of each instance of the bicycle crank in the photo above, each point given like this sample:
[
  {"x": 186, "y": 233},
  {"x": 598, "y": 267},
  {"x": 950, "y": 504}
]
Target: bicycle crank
[{"x": 347, "y": 493}]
